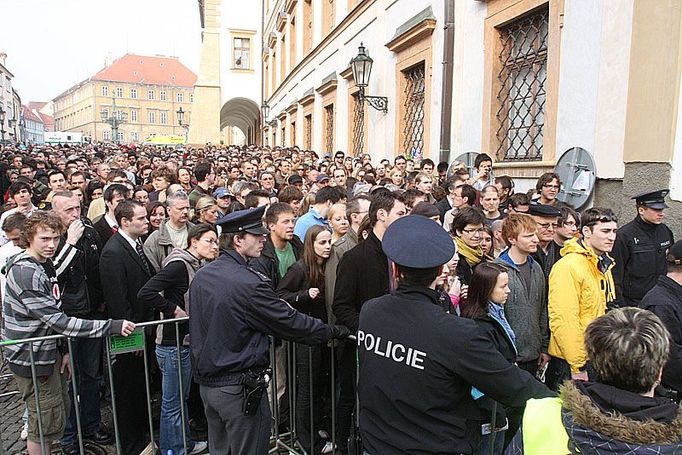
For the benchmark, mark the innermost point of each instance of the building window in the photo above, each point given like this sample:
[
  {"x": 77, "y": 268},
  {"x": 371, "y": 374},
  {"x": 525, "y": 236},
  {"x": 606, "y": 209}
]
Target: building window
[
  {"x": 292, "y": 41},
  {"x": 162, "y": 95},
  {"x": 328, "y": 15},
  {"x": 133, "y": 93},
  {"x": 152, "y": 116},
  {"x": 329, "y": 129},
  {"x": 133, "y": 116},
  {"x": 283, "y": 58},
  {"x": 308, "y": 132},
  {"x": 307, "y": 26},
  {"x": 119, "y": 92},
  {"x": 358, "y": 126},
  {"x": 522, "y": 96},
  {"x": 105, "y": 114},
  {"x": 163, "y": 118},
  {"x": 150, "y": 94},
  {"x": 413, "y": 110},
  {"x": 119, "y": 136},
  {"x": 282, "y": 134},
  {"x": 274, "y": 71},
  {"x": 180, "y": 97},
  {"x": 135, "y": 136},
  {"x": 105, "y": 90},
  {"x": 106, "y": 135},
  {"x": 293, "y": 134},
  {"x": 241, "y": 53}
]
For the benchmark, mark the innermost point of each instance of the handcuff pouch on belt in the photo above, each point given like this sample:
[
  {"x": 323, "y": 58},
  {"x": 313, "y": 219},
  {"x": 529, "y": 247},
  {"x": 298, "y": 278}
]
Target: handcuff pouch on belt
[{"x": 254, "y": 384}]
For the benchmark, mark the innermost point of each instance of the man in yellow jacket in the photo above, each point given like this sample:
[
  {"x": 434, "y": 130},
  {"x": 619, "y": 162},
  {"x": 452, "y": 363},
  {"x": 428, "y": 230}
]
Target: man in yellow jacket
[{"x": 580, "y": 287}]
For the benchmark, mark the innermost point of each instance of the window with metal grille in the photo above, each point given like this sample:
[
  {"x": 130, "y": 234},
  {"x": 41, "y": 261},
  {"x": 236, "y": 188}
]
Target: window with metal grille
[
  {"x": 413, "y": 108},
  {"x": 522, "y": 96},
  {"x": 308, "y": 132},
  {"x": 283, "y": 132},
  {"x": 329, "y": 128},
  {"x": 358, "y": 126}
]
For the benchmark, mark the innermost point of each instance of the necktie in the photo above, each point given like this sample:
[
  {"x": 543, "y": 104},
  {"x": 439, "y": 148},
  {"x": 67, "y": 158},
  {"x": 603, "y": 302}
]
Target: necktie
[
  {"x": 143, "y": 257},
  {"x": 114, "y": 229}
]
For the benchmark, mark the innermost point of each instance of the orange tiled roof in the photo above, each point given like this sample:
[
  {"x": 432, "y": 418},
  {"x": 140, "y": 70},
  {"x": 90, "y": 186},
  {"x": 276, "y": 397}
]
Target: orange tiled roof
[{"x": 141, "y": 69}]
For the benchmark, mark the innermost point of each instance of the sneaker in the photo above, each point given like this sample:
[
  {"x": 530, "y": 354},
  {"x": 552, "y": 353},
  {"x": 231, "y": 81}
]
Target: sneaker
[
  {"x": 328, "y": 447},
  {"x": 24, "y": 432},
  {"x": 199, "y": 446}
]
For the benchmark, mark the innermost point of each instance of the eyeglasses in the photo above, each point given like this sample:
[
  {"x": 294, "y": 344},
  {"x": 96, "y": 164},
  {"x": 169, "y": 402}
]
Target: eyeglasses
[
  {"x": 552, "y": 187},
  {"x": 473, "y": 230}
]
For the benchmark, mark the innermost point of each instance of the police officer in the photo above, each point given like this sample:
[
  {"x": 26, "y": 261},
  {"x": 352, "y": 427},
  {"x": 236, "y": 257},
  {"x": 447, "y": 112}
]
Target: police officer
[
  {"x": 641, "y": 248},
  {"x": 233, "y": 309},
  {"x": 418, "y": 363}
]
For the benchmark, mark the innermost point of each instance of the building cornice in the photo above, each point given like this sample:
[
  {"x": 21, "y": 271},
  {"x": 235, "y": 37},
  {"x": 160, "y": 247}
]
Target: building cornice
[
  {"x": 322, "y": 45},
  {"x": 329, "y": 83},
  {"x": 281, "y": 21},
  {"x": 272, "y": 39},
  {"x": 293, "y": 107},
  {"x": 415, "y": 29},
  {"x": 290, "y": 6},
  {"x": 308, "y": 97}
]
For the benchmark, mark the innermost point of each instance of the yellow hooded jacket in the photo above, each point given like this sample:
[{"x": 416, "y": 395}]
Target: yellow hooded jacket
[{"x": 578, "y": 293}]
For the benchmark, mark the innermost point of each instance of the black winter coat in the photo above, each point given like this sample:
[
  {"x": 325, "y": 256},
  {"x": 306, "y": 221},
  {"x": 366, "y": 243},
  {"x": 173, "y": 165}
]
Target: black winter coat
[
  {"x": 268, "y": 263},
  {"x": 294, "y": 289},
  {"x": 362, "y": 274},
  {"x": 665, "y": 301}
]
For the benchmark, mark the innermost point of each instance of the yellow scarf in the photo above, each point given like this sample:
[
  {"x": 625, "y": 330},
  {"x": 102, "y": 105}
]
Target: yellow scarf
[{"x": 473, "y": 256}]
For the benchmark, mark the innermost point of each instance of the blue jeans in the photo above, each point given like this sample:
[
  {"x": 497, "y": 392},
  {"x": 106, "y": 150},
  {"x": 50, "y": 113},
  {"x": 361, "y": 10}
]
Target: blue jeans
[
  {"x": 87, "y": 353},
  {"x": 170, "y": 437}
]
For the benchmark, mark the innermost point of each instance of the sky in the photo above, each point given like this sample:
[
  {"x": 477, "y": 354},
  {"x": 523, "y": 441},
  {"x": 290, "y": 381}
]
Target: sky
[{"x": 52, "y": 45}]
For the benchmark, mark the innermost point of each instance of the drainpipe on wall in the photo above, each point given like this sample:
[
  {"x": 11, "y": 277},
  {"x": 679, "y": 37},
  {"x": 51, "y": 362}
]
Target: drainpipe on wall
[{"x": 446, "y": 92}]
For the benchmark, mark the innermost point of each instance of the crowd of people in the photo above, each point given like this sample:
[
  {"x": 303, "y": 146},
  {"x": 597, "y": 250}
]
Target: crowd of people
[{"x": 526, "y": 297}]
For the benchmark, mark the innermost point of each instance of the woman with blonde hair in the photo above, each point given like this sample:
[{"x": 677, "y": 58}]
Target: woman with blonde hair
[
  {"x": 338, "y": 221},
  {"x": 206, "y": 210}
]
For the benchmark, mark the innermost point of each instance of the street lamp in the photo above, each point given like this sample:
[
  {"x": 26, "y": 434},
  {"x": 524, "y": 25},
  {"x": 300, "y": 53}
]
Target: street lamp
[
  {"x": 361, "y": 65},
  {"x": 114, "y": 120},
  {"x": 185, "y": 126},
  {"x": 2, "y": 125}
]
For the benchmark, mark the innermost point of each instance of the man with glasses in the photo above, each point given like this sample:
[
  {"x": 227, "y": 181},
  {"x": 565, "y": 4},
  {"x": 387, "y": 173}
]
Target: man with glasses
[
  {"x": 580, "y": 288},
  {"x": 462, "y": 195},
  {"x": 547, "y": 219},
  {"x": 267, "y": 183},
  {"x": 641, "y": 249},
  {"x": 548, "y": 186}
]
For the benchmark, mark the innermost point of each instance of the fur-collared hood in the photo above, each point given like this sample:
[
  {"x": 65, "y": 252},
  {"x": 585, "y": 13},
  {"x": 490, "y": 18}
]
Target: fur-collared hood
[{"x": 585, "y": 422}]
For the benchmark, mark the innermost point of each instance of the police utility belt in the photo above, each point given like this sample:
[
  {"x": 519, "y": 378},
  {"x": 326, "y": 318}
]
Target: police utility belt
[{"x": 254, "y": 383}]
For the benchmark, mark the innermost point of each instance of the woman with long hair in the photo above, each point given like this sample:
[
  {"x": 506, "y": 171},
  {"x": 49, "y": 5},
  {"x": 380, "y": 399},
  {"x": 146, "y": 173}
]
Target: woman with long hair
[
  {"x": 156, "y": 215},
  {"x": 487, "y": 294},
  {"x": 303, "y": 288},
  {"x": 168, "y": 293}
]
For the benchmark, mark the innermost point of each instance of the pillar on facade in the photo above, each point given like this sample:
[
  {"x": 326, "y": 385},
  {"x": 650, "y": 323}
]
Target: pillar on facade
[{"x": 205, "y": 121}]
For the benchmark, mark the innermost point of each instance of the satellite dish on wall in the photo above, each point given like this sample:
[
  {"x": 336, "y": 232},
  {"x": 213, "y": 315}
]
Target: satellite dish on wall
[
  {"x": 468, "y": 159},
  {"x": 578, "y": 173}
]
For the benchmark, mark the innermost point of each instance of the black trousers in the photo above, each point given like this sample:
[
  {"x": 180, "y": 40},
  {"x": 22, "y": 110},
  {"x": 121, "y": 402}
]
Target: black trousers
[{"x": 131, "y": 402}]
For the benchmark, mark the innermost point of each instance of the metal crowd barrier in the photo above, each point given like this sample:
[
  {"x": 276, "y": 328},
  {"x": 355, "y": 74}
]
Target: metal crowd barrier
[
  {"x": 280, "y": 440},
  {"x": 289, "y": 439},
  {"x": 114, "y": 345}
]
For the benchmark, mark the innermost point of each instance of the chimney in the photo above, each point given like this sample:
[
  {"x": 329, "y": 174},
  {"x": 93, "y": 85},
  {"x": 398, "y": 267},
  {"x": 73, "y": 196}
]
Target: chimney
[{"x": 3, "y": 57}]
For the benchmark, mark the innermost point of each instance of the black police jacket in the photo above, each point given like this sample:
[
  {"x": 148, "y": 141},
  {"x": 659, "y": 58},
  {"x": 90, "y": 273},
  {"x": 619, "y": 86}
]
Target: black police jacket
[
  {"x": 417, "y": 366},
  {"x": 639, "y": 252},
  {"x": 77, "y": 268},
  {"x": 665, "y": 301},
  {"x": 233, "y": 309}
]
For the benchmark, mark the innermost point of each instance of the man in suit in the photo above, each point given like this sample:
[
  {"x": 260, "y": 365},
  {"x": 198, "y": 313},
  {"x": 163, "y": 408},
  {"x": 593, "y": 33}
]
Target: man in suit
[
  {"x": 107, "y": 225},
  {"x": 125, "y": 269}
]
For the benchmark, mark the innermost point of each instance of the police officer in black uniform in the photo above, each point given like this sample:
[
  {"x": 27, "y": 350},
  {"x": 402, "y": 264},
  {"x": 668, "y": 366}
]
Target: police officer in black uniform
[
  {"x": 418, "y": 363},
  {"x": 233, "y": 309},
  {"x": 641, "y": 248}
]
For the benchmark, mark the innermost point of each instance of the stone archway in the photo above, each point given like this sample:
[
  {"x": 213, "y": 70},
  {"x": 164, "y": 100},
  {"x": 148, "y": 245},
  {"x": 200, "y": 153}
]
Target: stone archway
[{"x": 244, "y": 114}]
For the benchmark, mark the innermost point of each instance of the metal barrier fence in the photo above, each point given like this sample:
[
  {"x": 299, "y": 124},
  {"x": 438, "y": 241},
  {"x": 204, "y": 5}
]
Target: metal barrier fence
[{"x": 286, "y": 353}]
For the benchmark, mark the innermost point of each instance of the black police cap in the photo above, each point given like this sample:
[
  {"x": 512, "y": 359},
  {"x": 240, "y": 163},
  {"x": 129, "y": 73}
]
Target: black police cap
[
  {"x": 652, "y": 199},
  {"x": 249, "y": 220},
  {"x": 543, "y": 210},
  {"x": 417, "y": 242}
]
